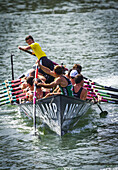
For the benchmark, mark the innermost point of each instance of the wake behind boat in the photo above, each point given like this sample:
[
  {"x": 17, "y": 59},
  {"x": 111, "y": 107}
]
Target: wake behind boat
[{"x": 57, "y": 111}]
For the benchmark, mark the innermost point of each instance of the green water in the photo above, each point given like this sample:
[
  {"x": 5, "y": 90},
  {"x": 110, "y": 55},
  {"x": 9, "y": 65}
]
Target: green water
[{"x": 83, "y": 32}]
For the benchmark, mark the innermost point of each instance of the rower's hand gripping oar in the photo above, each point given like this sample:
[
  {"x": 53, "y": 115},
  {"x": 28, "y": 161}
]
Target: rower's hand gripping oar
[
  {"x": 34, "y": 100},
  {"x": 29, "y": 52}
]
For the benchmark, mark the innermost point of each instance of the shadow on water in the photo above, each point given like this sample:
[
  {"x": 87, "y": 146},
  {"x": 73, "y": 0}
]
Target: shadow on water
[{"x": 82, "y": 129}]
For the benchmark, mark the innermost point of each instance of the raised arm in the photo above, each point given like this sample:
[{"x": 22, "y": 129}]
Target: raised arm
[
  {"x": 46, "y": 70},
  {"x": 51, "y": 85}
]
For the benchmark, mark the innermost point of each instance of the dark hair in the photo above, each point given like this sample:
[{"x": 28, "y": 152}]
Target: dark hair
[
  {"x": 77, "y": 67},
  {"x": 29, "y": 37},
  {"x": 30, "y": 80},
  {"x": 58, "y": 69},
  {"x": 78, "y": 78}
]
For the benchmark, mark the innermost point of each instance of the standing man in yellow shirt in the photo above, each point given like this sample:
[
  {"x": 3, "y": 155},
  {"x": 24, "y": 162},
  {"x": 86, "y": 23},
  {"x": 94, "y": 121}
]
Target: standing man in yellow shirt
[{"x": 40, "y": 54}]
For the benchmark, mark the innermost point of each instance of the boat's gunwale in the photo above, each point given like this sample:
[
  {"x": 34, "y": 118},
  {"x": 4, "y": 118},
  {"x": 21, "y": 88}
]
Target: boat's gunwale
[{"x": 54, "y": 96}]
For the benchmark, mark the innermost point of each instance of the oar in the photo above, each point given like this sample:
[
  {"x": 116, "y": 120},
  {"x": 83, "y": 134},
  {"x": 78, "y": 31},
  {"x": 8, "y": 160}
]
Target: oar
[
  {"x": 29, "y": 52},
  {"x": 110, "y": 96},
  {"x": 108, "y": 100},
  {"x": 13, "y": 100},
  {"x": 101, "y": 97},
  {"x": 17, "y": 92},
  {"x": 11, "y": 89},
  {"x": 34, "y": 100},
  {"x": 5, "y": 95},
  {"x": 7, "y": 102},
  {"x": 104, "y": 93},
  {"x": 100, "y": 86},
  {"x": 10, "y": 85},
  {"x": 103, "y": 113},
  {"x": 10, "y": 82},
  {"x": 93, "y": 91},
  {"x": 100, "y": 93},
  {"x": 11, "y": 93},
  {"x": 13, "y": 97}
]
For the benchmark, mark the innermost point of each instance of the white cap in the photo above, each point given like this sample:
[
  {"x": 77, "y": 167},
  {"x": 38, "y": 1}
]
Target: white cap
[{"x": 73, "y": 73}]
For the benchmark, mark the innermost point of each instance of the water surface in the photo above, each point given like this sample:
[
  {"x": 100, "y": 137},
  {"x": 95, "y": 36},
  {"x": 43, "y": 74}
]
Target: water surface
[{"x": 83, "y": 32}]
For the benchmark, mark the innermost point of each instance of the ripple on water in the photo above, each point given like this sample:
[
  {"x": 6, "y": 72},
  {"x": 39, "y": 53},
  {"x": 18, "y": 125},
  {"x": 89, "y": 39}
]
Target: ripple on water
[{"x": 69, "y": 32}]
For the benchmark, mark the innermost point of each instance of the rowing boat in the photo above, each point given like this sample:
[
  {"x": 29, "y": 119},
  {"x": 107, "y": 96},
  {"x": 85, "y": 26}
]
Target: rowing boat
[{"x": 58, "y": 111}]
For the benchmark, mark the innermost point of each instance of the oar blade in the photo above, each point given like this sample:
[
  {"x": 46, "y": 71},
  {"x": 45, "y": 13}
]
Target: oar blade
[{"x": 103, "y": 114}]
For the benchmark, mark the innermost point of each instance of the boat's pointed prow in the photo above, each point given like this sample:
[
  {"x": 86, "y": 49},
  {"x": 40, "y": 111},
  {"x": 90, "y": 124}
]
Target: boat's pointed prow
[{"x": 58, "y": 111}]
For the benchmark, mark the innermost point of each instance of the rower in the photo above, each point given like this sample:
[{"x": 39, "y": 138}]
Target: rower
[
  {"x": 40, "y": 54},
  {"x": 78, "y": 89},
  {"x": 77, "y": 67},
  {"x": 40, "y": 93},
  {"x": 73, "y": 73},
  {"x": 64, "y": 83}
]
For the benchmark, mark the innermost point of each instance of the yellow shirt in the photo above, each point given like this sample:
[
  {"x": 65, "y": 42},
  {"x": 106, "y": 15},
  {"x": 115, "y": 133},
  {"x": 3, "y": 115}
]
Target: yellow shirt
[{"x": 37, "y": 50}]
